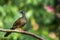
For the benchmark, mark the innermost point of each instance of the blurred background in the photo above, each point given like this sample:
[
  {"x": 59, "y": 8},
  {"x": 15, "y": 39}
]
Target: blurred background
[{"x": 40, "y": 17}]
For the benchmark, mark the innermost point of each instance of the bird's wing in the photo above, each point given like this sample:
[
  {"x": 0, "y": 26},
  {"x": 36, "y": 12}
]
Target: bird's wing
[
  {"x": 19, "y": 23},
  {"x": 16, "y": 23}
]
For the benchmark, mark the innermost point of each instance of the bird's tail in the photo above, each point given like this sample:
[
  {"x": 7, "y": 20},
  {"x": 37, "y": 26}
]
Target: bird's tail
[{"x": 8, "y": 33}]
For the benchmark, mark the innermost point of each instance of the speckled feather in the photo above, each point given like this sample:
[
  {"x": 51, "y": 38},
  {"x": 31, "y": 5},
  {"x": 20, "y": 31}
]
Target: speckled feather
[{"x": 19, "y": 23}]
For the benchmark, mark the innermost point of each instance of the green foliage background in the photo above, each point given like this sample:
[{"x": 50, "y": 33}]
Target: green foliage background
[{"x": 35, "y": 13}]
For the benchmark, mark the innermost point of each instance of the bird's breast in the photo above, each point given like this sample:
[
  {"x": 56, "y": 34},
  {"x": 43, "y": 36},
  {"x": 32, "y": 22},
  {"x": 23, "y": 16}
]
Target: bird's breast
[{"x": 23, "y": 21}]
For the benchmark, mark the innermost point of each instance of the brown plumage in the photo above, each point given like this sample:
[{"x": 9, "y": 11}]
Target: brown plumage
[{"x": 18, "y": 23}]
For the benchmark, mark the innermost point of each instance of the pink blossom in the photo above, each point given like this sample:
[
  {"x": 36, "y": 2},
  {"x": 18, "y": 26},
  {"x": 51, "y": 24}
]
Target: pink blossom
[
  {"x": 49, "y": 9},
  {"x": 58, "y": 15},
  {"x": 52, "y": 35}
]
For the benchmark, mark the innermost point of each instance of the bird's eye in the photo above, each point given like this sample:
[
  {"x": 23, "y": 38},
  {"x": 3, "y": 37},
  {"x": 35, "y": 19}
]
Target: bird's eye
[{"x": 21, "y": 11}]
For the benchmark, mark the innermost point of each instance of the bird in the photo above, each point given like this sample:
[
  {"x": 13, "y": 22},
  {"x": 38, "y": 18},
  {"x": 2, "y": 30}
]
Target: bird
[{"x": 19, "y": 23}]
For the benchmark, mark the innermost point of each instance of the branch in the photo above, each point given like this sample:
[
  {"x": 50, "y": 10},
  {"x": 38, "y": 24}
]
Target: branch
[{"x": 22, "y": 32}]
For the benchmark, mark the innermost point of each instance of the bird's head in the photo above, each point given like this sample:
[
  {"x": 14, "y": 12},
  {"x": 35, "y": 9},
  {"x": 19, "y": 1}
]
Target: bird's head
[{"x": 22, "y": 12}]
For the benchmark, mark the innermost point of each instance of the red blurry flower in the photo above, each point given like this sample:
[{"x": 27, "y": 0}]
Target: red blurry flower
[
  {"x": 52, "y": 35},
  {"x": 49, "y": 9},
  {"x": 58, "y": 15}
]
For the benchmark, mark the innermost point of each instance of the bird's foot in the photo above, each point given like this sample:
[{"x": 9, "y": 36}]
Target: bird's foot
[{"x": 20, "y": 29}]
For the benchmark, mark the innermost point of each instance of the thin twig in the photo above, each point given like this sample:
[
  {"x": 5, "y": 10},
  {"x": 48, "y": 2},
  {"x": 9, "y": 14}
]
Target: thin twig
[{"x": 22, "y": 32}]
